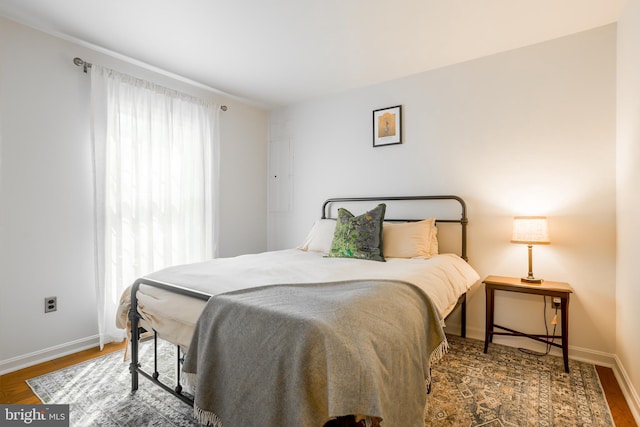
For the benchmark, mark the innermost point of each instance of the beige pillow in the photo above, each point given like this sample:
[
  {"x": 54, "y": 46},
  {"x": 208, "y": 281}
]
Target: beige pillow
[
  {"x": 410, "y": 239},
  {"x": 434, "y": 240},
  {"x": 320, "y": 237}
]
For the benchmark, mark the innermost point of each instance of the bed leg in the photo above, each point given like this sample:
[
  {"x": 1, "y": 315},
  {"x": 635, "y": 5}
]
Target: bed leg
[
  {"x": 463, "y": 317},
  {"x": 135, "y": 337},
  {"x": 155, "y": 356},
  {"x": 133, "y": 366},
  {"x": 178, "y": 388}
]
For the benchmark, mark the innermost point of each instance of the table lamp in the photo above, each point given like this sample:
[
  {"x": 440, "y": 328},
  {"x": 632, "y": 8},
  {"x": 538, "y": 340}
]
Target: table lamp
[{"x": 530, "y": 230}]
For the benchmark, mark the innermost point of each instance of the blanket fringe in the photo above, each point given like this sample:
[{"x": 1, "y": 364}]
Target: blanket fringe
[
  {"x": 439, "y": 352},
  {"x": 368, "y": 422},
  {"x": 435, "y": 356},
  {"x": 206, "y": 418}
]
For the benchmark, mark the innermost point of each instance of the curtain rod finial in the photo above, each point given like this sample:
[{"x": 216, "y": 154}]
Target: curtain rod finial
[{"x": 80, "y": 62}]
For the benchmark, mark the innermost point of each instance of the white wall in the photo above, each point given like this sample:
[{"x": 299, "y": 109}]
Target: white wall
[
  {"x": 46, "y": 240},
  {"x": 628, "y": 201},
  {"x": 529, "y": 131}
]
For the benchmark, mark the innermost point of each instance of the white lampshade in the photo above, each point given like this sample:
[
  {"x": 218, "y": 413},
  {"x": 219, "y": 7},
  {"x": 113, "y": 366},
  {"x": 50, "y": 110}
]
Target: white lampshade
[{"x": 530, "y": 230}]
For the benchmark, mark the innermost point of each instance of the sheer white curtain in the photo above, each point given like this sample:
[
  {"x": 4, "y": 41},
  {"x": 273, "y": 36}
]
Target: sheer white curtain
[{"x": 155, "y": 179}]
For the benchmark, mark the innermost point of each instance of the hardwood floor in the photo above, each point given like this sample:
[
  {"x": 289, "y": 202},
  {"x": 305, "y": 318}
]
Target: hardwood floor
[
  {"x": 622, "y": 415},
  {"x": 14, "y": 389}
]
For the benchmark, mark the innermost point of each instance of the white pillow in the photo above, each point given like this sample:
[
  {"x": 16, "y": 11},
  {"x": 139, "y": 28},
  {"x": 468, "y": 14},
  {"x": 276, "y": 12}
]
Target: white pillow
[
  {"x": 410, "y": 239},
  {"x": 320, "y": 237}
]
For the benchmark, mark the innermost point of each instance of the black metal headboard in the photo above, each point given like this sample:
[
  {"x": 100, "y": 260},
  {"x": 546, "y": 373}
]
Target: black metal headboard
[{"x": 463, "y": 220}]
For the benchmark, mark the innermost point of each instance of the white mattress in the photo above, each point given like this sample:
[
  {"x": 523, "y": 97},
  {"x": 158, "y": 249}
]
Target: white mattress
[{"x": 443, "y": 278}]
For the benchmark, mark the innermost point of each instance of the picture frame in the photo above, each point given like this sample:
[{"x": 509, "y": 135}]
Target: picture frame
[{"x": 387, "y": 126}]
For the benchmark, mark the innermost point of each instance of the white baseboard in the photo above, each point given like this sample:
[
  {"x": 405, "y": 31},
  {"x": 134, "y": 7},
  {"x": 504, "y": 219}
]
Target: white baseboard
[
  {"x": 576, "y": 353},
  {"x": 44, "y": 355},
  {"x": 591, "y": 356}
]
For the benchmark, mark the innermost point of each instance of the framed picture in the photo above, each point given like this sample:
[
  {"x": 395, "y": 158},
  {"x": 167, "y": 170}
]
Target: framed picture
[{"x": 387, "y": 126}]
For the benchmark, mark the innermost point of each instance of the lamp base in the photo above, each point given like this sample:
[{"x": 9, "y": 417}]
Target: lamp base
[{"x": 531, "y": 280}]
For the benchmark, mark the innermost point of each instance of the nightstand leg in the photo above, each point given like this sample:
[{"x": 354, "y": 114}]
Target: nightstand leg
[
  {"x": 564, "y": 306},
  {"x": 488, "y": 329}
]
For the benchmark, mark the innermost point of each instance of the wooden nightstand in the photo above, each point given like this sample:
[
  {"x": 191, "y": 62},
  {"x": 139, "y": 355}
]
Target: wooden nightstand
[{"x": 546, "y": 288}]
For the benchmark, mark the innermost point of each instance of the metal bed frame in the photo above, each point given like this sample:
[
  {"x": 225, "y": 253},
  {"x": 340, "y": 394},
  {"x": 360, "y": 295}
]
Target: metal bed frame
[{"x": 135, "y": 367}]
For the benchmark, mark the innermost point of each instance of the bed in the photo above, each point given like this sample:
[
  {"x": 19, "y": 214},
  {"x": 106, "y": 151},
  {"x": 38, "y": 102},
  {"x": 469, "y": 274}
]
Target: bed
[{"x": 316, "y": 335}]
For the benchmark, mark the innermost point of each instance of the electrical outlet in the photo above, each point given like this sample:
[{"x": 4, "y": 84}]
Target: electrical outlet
[
  {"x": 555, "y": 302},
  {"x": 50, "y": 304}
]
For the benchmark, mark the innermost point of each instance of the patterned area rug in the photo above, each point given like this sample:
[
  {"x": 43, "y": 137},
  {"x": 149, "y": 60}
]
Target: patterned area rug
[
  {"x": 98, "y": 391},
  {"x": 507, "y": 387},
  {"x": 502, "y": 388}
]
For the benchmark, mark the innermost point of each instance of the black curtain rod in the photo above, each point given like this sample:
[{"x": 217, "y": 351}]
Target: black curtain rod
[{"x": 86, "y": 65}]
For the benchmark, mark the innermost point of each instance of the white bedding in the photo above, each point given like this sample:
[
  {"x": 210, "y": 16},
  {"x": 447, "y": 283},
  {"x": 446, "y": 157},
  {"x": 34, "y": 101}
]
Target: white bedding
[{"x": 443, "y": 278}]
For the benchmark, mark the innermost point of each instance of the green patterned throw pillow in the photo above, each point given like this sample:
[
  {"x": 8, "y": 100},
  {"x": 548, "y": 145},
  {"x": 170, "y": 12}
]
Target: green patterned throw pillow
[{"x": 359, "y": 236}]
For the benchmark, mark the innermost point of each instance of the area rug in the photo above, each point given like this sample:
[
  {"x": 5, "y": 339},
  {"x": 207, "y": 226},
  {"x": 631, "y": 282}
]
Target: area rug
[
  {"x": 507, "y": 387},
  {"x": 502, "y": 388},
  {"x": 98, "y": 391}
]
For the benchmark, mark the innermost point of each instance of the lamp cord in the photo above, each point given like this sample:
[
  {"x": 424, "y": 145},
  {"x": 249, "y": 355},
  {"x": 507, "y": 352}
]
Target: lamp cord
[{"x": 546, "y": 328}]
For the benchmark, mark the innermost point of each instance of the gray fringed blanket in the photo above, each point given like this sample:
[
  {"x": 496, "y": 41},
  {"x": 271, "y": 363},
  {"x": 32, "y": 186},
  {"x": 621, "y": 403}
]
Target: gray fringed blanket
[{"x": 300, "y": 355}]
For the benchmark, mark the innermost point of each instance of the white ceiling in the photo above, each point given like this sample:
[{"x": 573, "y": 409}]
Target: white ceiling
[{"x": 278, "y": 52}]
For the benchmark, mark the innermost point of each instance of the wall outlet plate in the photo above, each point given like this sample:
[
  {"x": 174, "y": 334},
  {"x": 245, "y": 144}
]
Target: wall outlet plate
[
  {"x": 50, "y": 304},
  {"x": 555, "y": 302}
]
